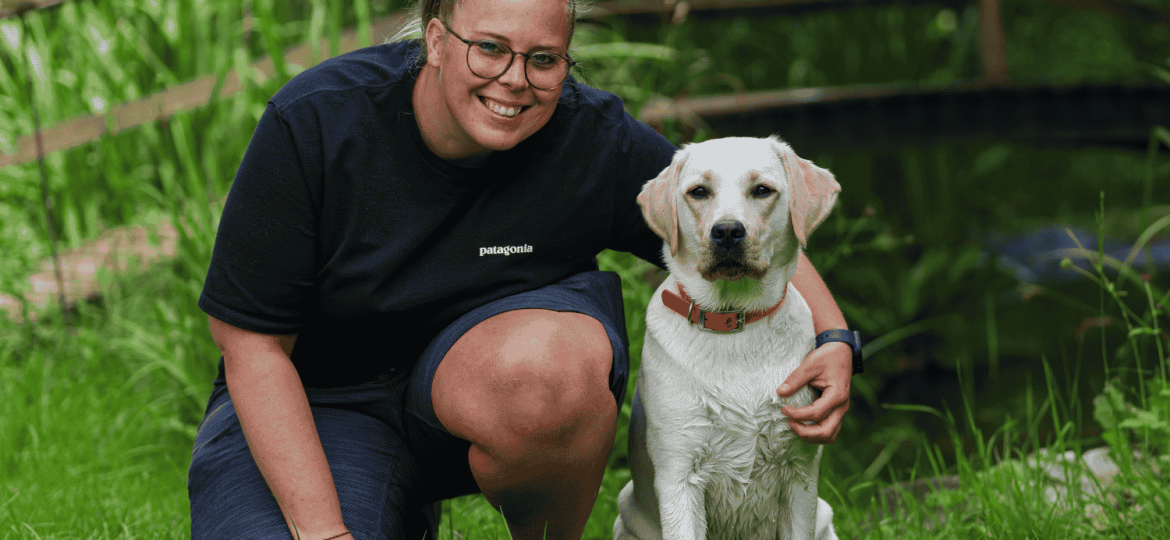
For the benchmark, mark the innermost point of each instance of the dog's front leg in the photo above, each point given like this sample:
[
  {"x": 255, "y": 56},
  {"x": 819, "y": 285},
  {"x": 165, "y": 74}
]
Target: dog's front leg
[
  {"x": 675, "y": 434},
  {"x": 679, "y": 486},
  {"x": 674, "y": 440}
]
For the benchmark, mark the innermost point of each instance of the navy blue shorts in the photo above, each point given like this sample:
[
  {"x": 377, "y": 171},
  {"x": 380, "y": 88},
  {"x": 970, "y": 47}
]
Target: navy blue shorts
[{"x": 390, "y": 457}]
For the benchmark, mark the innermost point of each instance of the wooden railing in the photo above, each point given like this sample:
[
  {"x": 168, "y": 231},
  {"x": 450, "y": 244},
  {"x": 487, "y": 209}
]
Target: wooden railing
[
  {"x": 184, "y": 97},
  {"x": 12, "y": 8},
  {"x": 892, "y": 115},
  {"x": 188, "y": 96}
]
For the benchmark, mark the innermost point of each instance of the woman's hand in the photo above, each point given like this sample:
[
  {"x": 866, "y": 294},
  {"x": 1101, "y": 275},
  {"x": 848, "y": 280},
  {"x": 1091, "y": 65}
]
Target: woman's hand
[{"x": 828, "y": 368}]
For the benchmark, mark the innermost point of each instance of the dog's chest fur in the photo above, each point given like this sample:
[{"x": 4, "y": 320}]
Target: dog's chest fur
[{"x": 745, "y": 457}]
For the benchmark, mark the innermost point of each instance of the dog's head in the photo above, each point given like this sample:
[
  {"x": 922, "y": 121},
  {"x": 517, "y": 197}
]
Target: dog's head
[{"x": 731, "y": 208}]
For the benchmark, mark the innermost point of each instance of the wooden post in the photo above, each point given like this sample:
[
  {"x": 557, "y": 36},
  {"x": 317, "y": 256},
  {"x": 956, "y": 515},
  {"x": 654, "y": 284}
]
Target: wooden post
[{"x": 995, "y": 68}]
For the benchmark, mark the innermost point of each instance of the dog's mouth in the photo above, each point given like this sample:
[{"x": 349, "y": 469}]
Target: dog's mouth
[
  {"x": 726, "y": 270},
  {"x": 732, "y": 268}
]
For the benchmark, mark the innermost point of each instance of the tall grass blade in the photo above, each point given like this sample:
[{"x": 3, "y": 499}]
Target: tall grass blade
[
  {"x": 1158, "y": 135},
  {"x": 625, "y": 51},
  {"x": 362, "y": 11},
  {"x": 334, "y": 27},
  {"x": 1145, "y": 237},
  {"x": 46, "y": 196},
  {"x": 992, "y": 336},
  {"x": 270, "y": 33},
  {"x": 909, "y": 407},
  {"x": 1156, "y": 330},
  {"x": 898, "y": 334},
  {"x": 1053, "y": 396},
  {"x": 316, "y": 30}
]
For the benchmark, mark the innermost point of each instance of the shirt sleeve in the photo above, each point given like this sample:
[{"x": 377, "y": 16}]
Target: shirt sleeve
[
  {"x": 647, "y": 153},
  {"x": 266, "y": 252}
]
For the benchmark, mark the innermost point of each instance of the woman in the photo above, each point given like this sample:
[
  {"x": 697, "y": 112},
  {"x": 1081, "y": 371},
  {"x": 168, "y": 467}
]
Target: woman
[{"x": 404, "y": 289}]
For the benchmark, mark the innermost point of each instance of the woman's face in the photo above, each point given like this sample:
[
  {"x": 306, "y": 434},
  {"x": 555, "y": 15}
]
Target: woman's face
[{"x": 473, "y": 116}]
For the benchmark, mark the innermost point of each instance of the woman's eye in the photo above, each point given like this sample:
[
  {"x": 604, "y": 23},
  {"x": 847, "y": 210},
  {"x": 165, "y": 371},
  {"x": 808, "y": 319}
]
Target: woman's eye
[
  {"x": 489, "y": 47},
  {"x": 698, "y": 192},
  {"x": 762, "y": 191},
  {"x": 543, "y": 60}
]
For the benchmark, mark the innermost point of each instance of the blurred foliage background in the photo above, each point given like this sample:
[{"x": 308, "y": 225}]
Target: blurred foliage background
[{"x": 942, "y": 254}]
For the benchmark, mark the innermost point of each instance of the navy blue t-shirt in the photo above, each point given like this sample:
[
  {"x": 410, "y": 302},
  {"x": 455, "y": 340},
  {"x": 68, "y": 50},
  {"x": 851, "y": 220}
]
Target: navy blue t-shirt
[{"x": 343, "y": 227}]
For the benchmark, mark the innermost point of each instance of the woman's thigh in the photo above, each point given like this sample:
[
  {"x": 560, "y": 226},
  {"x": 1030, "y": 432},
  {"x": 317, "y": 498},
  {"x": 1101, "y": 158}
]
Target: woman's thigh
[{"x": 376, "y": 476}]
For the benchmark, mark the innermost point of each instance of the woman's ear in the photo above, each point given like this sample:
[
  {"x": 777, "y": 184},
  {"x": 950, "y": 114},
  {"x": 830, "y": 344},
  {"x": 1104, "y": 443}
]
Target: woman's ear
[{"x": 433, "y": 34}]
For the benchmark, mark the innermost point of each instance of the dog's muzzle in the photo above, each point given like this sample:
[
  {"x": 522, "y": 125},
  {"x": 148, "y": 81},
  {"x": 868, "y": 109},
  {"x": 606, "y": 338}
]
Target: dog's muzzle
[
  {"x": 728, "y": 236},
  {"x": 727, "y": 258}
]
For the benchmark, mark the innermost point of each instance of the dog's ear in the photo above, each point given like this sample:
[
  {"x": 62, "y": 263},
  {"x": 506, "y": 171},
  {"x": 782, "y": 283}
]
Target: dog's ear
[
  {"x": 813, "y": 191},
  {"x": 657, "y": 200}
]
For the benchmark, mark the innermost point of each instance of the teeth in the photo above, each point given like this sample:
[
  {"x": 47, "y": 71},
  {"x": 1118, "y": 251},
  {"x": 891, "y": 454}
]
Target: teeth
[{"x": 501, "y": 110}]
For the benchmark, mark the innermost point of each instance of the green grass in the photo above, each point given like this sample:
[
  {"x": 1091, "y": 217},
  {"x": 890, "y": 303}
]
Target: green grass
[
  {"x": 96, "y": 421},
  {"x": 89, "y": 449},
  {"x": 1001, "y": 497}
]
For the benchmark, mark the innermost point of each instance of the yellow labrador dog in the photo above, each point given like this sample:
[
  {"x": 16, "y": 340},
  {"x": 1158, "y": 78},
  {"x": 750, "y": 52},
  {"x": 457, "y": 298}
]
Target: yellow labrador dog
[{"x": 710, "y": 454}]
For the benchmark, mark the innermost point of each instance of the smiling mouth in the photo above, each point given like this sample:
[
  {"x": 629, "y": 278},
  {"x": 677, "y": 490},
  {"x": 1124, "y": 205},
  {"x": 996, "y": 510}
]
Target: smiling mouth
[{"x": 508, "y": 112}]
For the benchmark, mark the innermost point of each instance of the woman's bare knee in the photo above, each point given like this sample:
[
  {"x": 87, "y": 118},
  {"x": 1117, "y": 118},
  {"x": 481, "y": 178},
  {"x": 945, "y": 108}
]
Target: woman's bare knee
[{"x": 525, "y": 374}]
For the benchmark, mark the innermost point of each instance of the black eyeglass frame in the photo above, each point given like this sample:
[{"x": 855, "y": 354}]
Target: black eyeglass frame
[{"x": 569, "y": 62}]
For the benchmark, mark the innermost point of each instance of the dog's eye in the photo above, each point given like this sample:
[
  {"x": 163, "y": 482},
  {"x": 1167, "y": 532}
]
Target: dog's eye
[
  {"x": 698, "y": 192},
  {"x": 762, "y": 191}
]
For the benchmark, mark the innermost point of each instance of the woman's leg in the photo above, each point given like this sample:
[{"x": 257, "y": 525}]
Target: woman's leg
[
  {"x": 374, "y": 473},
  {"x": 529, "y": 387}
]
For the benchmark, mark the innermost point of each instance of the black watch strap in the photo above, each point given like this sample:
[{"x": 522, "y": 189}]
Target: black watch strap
[{"x": 852, "y": 337}]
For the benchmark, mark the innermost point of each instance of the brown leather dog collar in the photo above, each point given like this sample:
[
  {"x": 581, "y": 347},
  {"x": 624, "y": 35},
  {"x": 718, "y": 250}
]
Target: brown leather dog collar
[{"x": 725, "y": 322}]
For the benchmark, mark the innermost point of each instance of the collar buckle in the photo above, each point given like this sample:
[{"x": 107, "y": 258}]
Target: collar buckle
[{"x": 704, "y": 321}]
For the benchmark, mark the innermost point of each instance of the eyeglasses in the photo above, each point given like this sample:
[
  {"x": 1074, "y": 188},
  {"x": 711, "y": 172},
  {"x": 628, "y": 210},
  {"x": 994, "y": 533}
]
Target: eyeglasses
[{"x": 489, "y": 59}]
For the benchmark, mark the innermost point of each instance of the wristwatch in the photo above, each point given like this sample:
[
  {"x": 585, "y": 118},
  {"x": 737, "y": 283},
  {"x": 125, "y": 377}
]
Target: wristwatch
[{"x": 853, "y": 338}]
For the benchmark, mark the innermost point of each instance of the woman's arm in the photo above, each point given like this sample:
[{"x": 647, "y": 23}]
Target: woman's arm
[
  {"x": 826, "y": 314},
  {"x": 274, "y": 414},
  {"x": 829, "y": 367}
]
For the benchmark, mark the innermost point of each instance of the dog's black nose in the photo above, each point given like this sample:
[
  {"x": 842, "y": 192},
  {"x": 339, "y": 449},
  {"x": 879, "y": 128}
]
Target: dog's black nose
[{"x": 727, "y": 235}]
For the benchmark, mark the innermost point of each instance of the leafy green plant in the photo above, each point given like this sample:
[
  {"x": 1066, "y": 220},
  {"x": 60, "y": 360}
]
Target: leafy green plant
[
  {"x": 1125, "y": 422},
  {"x": 1142, "y": 420}
]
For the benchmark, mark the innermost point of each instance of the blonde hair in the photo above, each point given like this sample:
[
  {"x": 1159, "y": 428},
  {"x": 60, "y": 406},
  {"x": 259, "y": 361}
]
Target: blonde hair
[{"x": 425, "y": 10}]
